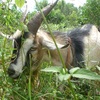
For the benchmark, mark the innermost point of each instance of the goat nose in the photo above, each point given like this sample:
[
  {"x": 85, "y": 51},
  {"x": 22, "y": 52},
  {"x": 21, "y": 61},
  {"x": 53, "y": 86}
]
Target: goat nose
[{"x": 11, "y": 71}]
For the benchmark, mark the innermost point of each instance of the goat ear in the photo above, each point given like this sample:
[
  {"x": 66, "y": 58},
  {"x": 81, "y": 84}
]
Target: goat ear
[{"x": 51, "y": 45}]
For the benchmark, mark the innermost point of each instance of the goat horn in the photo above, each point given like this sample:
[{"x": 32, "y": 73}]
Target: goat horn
[
  {"x": 6, "y": 36},
  {"x": 11, "y": 37},
  {"x": 36, "y": 21},
  {"x": 24, "y": 15}
]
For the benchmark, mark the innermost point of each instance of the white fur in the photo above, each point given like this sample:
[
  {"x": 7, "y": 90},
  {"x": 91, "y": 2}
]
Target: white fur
[
  {"x": 22, "y": 55},
  {"x": 48, "y": 42},
  {"x": 92, "y": 48},
  {"x": 17, "y": 34}
]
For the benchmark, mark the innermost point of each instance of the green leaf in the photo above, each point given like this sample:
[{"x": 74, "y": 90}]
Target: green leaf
[
  {"x": 98, "y": 68},
  {"x": 20, "y": 3},
  {"x": 63, "y": 71},
  {"x": 86, "y": 74},
  {"x": 73, "y": 70},
  {"x": 52, "y": 69},
  {"x": 64, "y": 77}
]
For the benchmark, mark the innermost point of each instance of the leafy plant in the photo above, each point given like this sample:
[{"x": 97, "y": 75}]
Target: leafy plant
[
  {"x": 89, "y": 13},
  {"x": 20, "y": 3},
  {"x": 74, "y": 72}
]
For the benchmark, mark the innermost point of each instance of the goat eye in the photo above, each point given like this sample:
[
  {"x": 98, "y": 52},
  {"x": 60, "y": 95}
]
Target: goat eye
[{"x": 33, "y": 49}]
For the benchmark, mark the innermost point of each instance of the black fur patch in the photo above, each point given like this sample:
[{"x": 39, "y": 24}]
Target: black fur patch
[
  {"x": 17, "y": 45},
  {"x": 77, "y": 36}
]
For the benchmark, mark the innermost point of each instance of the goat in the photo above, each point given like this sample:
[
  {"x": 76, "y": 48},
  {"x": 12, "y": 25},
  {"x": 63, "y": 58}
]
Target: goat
[{"x": 79, "y": 47}]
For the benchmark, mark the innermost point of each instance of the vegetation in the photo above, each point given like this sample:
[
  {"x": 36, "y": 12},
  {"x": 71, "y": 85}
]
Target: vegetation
[
  {"x": 90, "y": 12},
  {"x": 63, "y": 14},
  {"x": 55, "y": 84}
]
